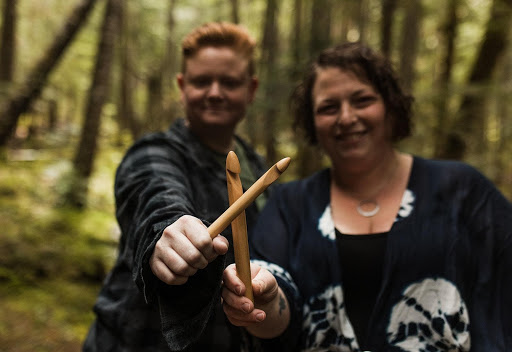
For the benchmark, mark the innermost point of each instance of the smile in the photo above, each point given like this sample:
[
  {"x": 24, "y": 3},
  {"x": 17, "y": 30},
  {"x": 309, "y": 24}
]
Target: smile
[
  {"x": 352, "y": 136},
  {"x": 215, "y": 109}
]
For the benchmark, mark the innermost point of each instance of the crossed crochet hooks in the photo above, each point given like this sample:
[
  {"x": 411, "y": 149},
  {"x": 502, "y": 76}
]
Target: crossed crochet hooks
[{"x": 235, "y": 214}]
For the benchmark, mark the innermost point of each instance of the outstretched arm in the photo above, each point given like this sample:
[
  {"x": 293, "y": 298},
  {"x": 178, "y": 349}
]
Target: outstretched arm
[{"x": 268, "y": 316}]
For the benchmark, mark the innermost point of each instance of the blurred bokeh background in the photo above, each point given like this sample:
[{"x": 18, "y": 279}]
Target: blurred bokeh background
[{"x": 80, "y": 80}]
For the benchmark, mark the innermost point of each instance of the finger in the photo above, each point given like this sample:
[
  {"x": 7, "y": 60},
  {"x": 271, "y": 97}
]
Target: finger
[
  {"x": 186, "y": 250},
  {"x": 265, "y": 287},
  {"x": 176, "y": 263},
  {"x": 220, "y": 245},
  {"x": 236, "y": 301},
  {"x": 232, "y": 281},
  {"x": 163, "y": 273},
  {"x": 197, "y": 234},
  {"x": 239, "y": 318},
  {"x": 175, "y": 236}
]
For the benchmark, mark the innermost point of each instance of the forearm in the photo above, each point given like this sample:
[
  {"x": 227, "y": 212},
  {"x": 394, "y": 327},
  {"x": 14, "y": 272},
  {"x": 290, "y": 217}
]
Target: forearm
[{"x": 277, "y": 318}]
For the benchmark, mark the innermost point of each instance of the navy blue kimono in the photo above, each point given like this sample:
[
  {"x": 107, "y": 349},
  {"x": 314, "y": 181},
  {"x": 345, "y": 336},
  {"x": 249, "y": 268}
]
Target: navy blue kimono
[{"x": 447, "y": 273}]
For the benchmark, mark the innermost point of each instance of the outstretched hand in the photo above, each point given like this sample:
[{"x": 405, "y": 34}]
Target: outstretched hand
[
  {"x": 184, "y": 248},
  {"x": 268, "y": 316}
]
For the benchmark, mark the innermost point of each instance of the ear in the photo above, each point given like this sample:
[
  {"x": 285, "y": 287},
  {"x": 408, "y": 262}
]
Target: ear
[
  {"x": 181, "y": 84},
  {"x": 180, "y": 80},
  {"x": 253, "y": 87}
]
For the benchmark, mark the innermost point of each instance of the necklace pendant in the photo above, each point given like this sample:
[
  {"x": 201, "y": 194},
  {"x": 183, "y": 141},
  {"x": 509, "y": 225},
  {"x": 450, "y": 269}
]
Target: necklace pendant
[{"x": 364, "y": 204}]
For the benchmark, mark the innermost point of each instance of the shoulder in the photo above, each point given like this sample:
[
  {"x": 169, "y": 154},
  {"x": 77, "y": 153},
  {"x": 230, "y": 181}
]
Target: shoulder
[
  {"x": 448, "y": 166},
  {"x": 157, "y": 149},
  {"x": 448, "y": 170},
  {"x": 451, "y": 177},
  {"x": 176, "y": 141}
]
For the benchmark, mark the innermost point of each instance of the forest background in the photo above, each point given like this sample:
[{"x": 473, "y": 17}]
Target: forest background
[{"x": 81, "y": 80}]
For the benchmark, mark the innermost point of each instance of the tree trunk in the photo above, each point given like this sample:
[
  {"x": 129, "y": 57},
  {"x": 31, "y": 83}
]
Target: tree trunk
[
  {"x": 169, "y": 67},
  {"x": 127, "y": 117},
  {"x": 156, "y": 110},
  {"x": 98, "y": 93},
  {"x": 8, "y": 43},
  {"x": 320, "y": 27},
  {"x": 448, "y": 38},
  {"x": 302, "y": 158},
  {"x": 154, "y": 107},
  {"x": 30, "y": 90},
  {"x": 308, "y": 157},
  {"x": 470, "y": 119},
  {"x": 235, "y": 11},
  {"x": 409, "y": 45},
  {"x": 388, "y": 14},
  {"x": 503, "y": 166},
  {"x": 269, "y": 67},
  {"x": 362, "y": 19},
  {"x": 297, "y": 43},
  {"x": 52, "y": 115}
]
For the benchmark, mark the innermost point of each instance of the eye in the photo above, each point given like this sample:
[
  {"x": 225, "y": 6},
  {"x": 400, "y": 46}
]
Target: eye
[
  {"x": 327, "y": 109},
  {"x": 231, "y": 83},
  {"x": 200, "y": 81},
  {"x": 364, "y": 101}
]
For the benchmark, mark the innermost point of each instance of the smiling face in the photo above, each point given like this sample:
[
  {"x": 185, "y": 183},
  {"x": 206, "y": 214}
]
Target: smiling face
[
  {"x": 216, "y": 89},
  {"x": 349, "y": 116}
]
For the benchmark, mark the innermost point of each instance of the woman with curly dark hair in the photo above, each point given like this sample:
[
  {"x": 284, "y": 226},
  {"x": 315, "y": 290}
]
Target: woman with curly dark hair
[{"x": 383, "y": 250}]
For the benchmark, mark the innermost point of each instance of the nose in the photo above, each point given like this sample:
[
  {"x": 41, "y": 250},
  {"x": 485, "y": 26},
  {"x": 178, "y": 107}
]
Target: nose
[
  {"x": 346, "y": 115},
  {"x": 215, "y": 91}
]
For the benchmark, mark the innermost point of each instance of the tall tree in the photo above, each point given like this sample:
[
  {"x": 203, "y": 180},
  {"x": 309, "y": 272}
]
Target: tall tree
[
  {"x": 235, "y": 11},
  {"x": 297, "y": 41},
  {"x": 308, "y": 157},
  {"x": 154, "y": 103},
  {"x": 470, "y": 119},
  {"x": 362, "y": 19},
  {"x": 169, "y": 61},
  {"x": 97, "y": 95},
  {"x": 269, "y": 69},
  {"x": 409, "y": 44},
  {"x": 388, "y": 14},
  {"x": 8, "y": 42},
  {"x": 504, "y": 128},
  {"x": 320, "y": 26},
  {"x": 448, "y": 34},
  {"x": 20, "y": 101},
  {"x": 127, "y": 115},
  {"x": 156, "y": 113},
  {"x": 301, "y": 162}
]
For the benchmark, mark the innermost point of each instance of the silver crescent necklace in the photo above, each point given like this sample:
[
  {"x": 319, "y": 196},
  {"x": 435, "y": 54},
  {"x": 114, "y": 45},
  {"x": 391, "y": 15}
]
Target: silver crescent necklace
[
  {"x": 369, "y": 203},
  {"x": 370, "y": 207}
]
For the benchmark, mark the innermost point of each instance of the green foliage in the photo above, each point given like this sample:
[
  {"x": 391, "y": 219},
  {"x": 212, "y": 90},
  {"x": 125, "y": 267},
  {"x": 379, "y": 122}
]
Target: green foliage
[{"x": 52, "y": 259}]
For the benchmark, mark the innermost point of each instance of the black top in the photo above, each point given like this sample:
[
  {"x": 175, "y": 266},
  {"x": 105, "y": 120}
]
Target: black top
[{"x": 362, "y": 259}]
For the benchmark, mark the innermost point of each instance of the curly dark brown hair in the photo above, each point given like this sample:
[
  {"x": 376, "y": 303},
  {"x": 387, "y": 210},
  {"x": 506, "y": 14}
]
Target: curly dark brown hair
[{"x": 370, "y": 67}]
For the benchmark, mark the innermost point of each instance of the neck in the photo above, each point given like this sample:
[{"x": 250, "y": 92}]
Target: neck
[
  {"x": 220, "y": 145},
  {"x": 221, "y": 140},
  {"x": 366, "y": 180}
]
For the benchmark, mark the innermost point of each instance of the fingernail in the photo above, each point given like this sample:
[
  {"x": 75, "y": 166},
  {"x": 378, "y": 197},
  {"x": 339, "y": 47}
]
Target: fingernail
[
  {"x": 260, "y": 316},
  {"x": 246, "y": 307}
]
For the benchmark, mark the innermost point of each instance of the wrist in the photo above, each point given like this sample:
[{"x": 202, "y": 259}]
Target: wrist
[{"x": 277, "y": 318}]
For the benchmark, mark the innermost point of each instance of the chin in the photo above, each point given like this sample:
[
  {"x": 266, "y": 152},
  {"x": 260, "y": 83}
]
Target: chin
[{"x": 220, "y": 119}]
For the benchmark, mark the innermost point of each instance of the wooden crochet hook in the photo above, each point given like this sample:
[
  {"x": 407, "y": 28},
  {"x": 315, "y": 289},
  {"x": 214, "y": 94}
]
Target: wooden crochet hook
[
  {"x": 239, "y": 224},
  {"x": 248, "y": 197}
]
